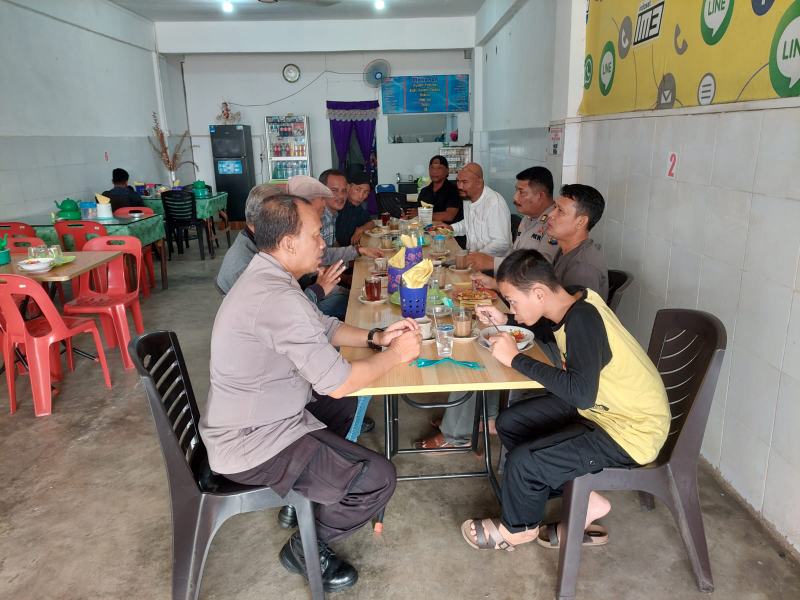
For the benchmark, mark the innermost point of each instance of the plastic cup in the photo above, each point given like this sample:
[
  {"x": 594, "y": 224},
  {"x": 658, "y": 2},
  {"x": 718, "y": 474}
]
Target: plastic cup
[{"x": 444, "y": 340}]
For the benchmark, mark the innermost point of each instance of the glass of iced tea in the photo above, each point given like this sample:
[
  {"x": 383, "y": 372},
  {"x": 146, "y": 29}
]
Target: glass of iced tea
[
  {"x": 462, "y": 319},
  {"x": 372, "y": 288},
  {"x": 461, "y": 259},
  {"x": 385, "y": 218}
]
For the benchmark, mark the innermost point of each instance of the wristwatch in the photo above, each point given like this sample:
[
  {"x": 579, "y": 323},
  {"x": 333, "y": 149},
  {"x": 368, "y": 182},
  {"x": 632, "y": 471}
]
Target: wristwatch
[{"x": 371, "y": 335}]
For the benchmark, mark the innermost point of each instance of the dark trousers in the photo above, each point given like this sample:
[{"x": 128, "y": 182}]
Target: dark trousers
[
  {"x": 548, "y": 444},
  {"x": 349, "y": 483}
]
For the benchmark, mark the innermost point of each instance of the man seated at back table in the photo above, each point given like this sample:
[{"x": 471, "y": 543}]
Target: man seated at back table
[
  {"x": 277, "y": 410},
  {"x": 606, "y": 406},
  {"x": 353, "y": 220},
  {"x": 441, "y": 193},
  {"x": 122, "y": 195}
]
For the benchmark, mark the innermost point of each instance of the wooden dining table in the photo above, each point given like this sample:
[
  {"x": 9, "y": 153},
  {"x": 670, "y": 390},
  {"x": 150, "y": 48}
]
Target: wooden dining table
[
  {"x": 83, "y": 263},
  {"x": 407, "y": 380}
]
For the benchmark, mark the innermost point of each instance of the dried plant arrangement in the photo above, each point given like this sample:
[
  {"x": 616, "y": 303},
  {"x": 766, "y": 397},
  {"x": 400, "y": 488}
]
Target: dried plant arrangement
[{"x": 171, "y": 161}]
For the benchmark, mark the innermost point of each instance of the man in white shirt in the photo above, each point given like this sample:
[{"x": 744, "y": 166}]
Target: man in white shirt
[{"x": 487, "y": 219}]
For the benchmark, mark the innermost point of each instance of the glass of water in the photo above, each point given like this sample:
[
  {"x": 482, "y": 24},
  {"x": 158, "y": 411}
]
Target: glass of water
[{"x": 444, "y": 340}]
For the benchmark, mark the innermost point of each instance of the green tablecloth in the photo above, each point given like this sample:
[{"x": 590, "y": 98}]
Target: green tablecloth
[
  {"x": 147, "y": 229},
  {"x": 207, "y": 208}
]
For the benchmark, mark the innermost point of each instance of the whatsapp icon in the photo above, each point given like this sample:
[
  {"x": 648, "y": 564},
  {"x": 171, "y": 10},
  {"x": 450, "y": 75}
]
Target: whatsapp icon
[
  {"x": 784, "y": 55},
  {"x": 588, "y": 71},
  {"x": 714, "y": 19}
]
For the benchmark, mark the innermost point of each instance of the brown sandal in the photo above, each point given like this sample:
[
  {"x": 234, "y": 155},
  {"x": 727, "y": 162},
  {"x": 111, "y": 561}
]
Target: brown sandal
[{"x": 495, "y": 541}]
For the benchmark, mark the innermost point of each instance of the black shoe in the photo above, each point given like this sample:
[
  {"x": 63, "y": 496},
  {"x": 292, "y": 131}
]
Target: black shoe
[
  {"x": 287, "y": 517},
  {"x": 337, "y": 574},
  {"x": 367, "y": 425}
]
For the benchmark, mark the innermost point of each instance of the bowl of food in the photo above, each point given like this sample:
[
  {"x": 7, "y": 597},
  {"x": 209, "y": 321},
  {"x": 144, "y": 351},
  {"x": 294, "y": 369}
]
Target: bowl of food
[
  {"x": 522, "y": 337},
  {"x": 36, "y": 265}
]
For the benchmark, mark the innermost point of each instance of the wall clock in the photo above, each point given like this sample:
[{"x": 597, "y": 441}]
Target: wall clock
[{"x": 291, "y": 73}]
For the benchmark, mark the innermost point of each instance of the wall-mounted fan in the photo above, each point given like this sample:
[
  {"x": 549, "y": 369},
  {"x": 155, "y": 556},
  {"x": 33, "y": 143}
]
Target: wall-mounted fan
[
  {"x": 376, "y": 71},
  {"x": 315, "y": 2}
]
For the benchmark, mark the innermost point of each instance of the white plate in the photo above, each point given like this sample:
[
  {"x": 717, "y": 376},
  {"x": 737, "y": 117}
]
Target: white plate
[
  {"x": 439, "y": 254},
  {"x": 445, "y": 311},
  {"x": 377, "y": 232},
  {"x": 36, "y": 265},
  {"x": 490, "y": 331},
  {"x": 453, "y": 268},
  {"x": 365, "y": 301}
]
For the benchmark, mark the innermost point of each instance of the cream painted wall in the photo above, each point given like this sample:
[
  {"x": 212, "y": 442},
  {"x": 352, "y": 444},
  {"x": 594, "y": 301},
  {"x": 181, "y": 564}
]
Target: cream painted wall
[{"x": 256, "y": 79}]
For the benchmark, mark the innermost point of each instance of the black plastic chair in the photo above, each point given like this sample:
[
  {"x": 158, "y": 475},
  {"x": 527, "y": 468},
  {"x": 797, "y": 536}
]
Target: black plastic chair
[
  {"x": 618, "y": 282},
  {"x": 180, "y": 215},
  {"x": 687, "y": 347},
  {"x": 516, "y": 219},
  {"x": 201, "y": 500},
  {"x": 392, "y": 202}
]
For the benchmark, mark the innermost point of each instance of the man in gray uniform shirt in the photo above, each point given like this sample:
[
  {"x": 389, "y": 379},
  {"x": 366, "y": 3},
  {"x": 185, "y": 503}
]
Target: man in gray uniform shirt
[
  {"x": 533, "y": 199},
  {"x": 278, "y": 406},
  {"x": 579, "y": 260}
]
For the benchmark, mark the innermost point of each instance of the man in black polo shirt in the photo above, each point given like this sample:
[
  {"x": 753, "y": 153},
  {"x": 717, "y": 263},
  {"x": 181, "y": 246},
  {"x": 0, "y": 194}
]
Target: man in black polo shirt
[
  {"x": 442, "y": 193},
  {"x": 354, "y": 219}
]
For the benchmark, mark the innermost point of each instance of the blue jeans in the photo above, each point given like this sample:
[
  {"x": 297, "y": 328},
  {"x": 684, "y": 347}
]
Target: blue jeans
[{"x": 335, "y": 303}]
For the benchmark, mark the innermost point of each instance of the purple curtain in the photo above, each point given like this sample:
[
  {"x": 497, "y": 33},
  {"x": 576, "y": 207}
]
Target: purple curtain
[
  {"x": 346, "y": 115},
  {"x": 340, "y": 132}
]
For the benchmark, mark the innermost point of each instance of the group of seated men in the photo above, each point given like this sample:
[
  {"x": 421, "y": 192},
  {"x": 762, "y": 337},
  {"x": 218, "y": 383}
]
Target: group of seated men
[{"x": 280, "y": 400}]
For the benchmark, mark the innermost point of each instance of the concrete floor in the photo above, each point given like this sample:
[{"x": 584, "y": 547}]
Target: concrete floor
[{"x": 84, "y": 512}]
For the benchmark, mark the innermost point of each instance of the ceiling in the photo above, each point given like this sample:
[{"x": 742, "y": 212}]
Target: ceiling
[{"x": 252, "y": 10}]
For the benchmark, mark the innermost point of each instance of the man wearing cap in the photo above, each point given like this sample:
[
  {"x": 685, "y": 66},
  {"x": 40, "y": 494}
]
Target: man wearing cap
[
  {"x": 353, "y": 220},
  {"x": 324, "y": 292},
  {"x": 487, "y": 220}
]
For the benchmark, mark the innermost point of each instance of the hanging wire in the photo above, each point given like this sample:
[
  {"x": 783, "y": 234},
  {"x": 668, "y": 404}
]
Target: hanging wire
[{"x": 294, "y": 93}]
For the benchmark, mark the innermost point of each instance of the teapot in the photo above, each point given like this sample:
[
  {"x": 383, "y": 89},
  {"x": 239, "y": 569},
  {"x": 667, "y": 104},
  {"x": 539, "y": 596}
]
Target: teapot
[{"x": 68, "y": 209}]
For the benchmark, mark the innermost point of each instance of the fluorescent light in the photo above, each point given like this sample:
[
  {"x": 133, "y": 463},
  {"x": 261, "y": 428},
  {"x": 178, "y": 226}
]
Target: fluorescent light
[
  {"x": 380, "y": 4},
  {"x": 227, "y": 6}
]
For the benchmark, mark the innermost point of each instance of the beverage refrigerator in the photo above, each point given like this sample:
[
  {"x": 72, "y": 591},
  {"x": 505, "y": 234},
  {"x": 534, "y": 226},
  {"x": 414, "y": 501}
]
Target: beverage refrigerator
[
  {"x": 232, "y": 152},
  {"x": 288, "y": 146}
]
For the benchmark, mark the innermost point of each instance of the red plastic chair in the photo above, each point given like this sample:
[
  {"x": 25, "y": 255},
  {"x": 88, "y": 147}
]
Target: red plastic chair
[
  {"x": 148, "y": 281},
  {"x": 111, "y": 303},
  {"x": 79, "y": 232},
  {"x": 40, "y": 339},
  {"x": 20, "y": 245},
  {"x": 16, "y": 229}
]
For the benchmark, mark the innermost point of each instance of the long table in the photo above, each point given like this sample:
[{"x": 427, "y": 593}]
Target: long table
[{"x": 406, "y": 379}]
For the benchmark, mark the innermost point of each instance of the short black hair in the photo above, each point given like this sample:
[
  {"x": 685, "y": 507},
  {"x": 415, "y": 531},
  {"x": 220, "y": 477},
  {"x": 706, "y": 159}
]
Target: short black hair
[
  {"x": 323, "y": 177},
  {"x": 523, "y": 268},
  {"x": 276, "y": 218},
  {"x": 440, "y": 159},
  {"x": 540, "y": 175},
  {"x": 358, "y": 179},
  {"x": 119, "y": 176},
  {"x": 588, "y": 201}
]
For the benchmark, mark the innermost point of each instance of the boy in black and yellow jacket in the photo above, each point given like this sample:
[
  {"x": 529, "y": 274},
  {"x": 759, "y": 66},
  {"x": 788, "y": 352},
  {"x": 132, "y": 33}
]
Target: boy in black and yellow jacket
[{"x": 606, "y": 405}]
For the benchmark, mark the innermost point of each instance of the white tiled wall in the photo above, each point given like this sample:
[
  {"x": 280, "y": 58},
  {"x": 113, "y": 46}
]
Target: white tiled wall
[
  {"x": 506, "y": 153},
  {"x": 36, "y": 170},
  {"x": 722, "y": 236}
]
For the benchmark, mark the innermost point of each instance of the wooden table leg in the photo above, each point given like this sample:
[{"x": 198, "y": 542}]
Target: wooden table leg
[{"x": 162, "y": 253}]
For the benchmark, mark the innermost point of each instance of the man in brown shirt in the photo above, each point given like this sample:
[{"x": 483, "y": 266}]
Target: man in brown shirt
[{"x": 277, "y": 412}]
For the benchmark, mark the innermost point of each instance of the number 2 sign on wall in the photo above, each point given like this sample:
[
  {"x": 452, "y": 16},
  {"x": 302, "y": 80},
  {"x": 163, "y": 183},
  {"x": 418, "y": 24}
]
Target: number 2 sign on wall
[{"x": 672, "y": 165}]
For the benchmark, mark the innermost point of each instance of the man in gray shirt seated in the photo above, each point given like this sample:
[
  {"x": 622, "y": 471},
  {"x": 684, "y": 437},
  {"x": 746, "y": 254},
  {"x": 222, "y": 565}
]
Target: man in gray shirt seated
[
  {"x": 278, "y": 406},
  {"x": 579, "y": 260},
  {"x": 324, "y": 292}
]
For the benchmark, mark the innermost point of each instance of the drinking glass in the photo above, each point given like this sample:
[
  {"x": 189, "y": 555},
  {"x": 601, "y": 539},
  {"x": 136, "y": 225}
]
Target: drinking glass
[
  {"x": 438, "y": 244},
  {"x": 38, "y": 252},
  {"x": 372, "y": 288},
  {"x": 444, "y": 340},
  {"x": 462, "y": 318},
  {"x": 386, "y": 242},
  {"x": 461, "y": 259},
  {"x": 385, "y": 218},
  {"x": 54, "y": 252}
]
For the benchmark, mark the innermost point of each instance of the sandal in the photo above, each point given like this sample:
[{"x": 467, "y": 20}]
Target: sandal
[
  {"x": 595, "y": 535},
  {"x": 437, "y": 441},
  {"x": 495, "y": 541}
]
